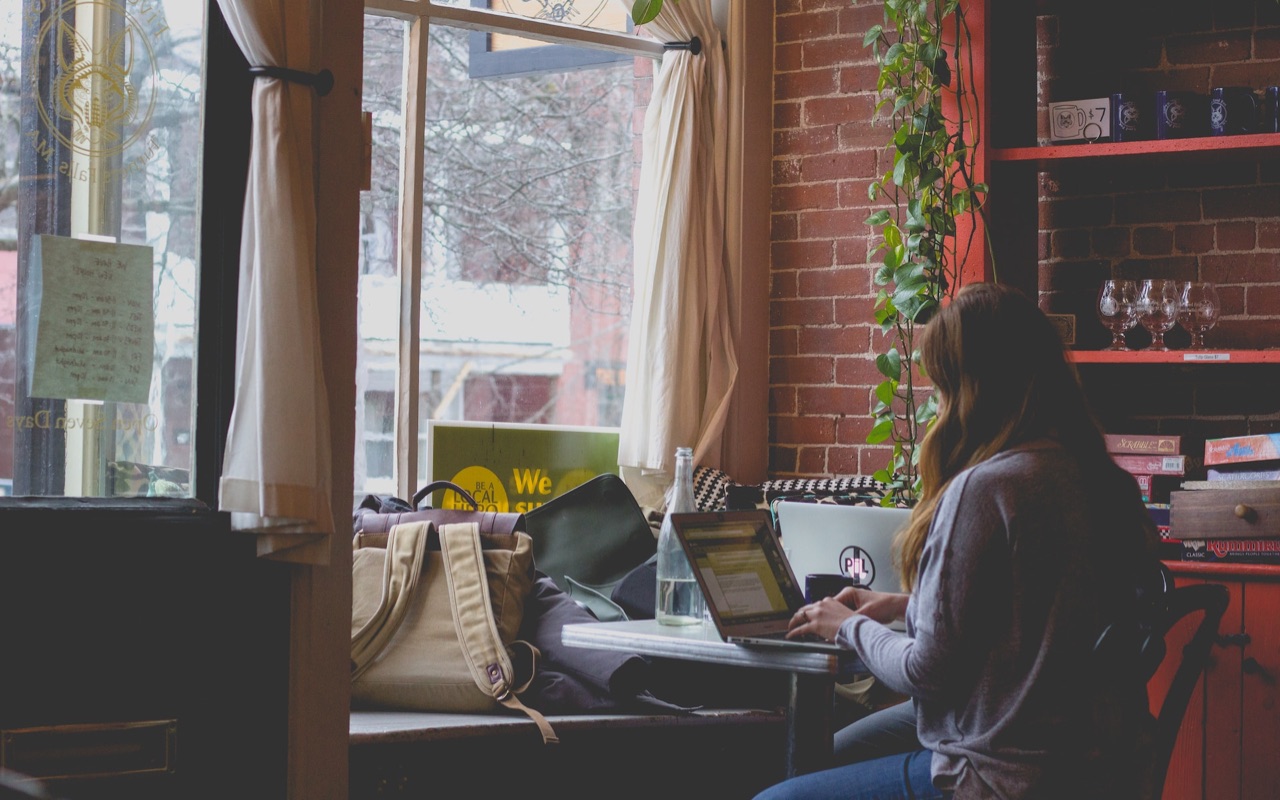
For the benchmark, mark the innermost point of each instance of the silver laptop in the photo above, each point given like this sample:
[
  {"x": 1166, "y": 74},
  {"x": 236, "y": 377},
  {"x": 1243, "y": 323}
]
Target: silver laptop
[
  {"x": 750, "y": 591},
  {"x": 829, "y": 538}
]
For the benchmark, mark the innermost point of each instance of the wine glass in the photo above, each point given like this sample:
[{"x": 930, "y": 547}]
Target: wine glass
[
  {"x": 1198, "y": 310},
  {"x": 1117, "y": 309},
  {"x": 1158, "y": 309}
]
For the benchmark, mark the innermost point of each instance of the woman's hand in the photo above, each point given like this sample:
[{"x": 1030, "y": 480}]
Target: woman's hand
[
  {"x": 821, "y": 619},
  {"x": 883, "y": 607}
]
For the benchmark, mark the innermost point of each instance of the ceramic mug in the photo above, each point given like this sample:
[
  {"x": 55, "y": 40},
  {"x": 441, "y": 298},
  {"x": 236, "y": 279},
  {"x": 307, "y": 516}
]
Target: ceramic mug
[
  {"x": 1232, "y": 110},
  {"x": 1178, "y": 114},
  {"x": 1270, "y": 122},
  {"x": 1128, "y": 122}
]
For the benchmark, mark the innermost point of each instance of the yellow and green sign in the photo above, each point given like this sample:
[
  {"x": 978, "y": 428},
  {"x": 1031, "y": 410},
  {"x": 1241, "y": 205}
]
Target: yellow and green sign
[{"x": 516, "y": 468}]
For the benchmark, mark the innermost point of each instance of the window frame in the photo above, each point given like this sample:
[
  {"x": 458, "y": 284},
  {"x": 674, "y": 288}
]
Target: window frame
[
  {"x": 225, "y": 133},
  {"x": 419, "y": 16}
]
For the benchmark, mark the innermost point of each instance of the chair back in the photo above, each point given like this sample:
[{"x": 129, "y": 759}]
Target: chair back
[{"x": 1133, "y": 649}]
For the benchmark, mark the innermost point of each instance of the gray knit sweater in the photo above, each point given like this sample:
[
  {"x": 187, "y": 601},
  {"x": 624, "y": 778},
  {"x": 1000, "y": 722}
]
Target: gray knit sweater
[{"x": 1022, "y": 567}]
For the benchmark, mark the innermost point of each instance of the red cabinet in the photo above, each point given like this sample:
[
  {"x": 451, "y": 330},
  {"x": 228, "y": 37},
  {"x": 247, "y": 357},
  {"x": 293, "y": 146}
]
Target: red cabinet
[{"x": 1229, "y": 744}]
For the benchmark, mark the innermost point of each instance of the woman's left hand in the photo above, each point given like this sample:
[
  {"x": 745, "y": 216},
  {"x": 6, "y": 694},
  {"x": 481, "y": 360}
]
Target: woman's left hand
[{"x": 821, "y": 619}]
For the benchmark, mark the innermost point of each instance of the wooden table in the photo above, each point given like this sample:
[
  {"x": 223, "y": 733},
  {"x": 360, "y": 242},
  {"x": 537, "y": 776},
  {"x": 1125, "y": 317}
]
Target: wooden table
[{"x": 810, "y": 683}]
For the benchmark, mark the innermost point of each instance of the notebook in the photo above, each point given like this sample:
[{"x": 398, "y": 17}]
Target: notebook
[
  {"x": 850, "y": 540},
  {"x": 750, "y": 590}
]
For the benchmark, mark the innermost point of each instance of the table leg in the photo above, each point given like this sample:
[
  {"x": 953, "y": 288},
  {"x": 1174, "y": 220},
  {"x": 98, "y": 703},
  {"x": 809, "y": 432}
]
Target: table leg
[{"x": 809, "y": 735}]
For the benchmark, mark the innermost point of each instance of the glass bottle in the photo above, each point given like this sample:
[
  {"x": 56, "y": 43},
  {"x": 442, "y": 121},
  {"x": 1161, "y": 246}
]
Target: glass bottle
[{"x": 679, "y": 598}]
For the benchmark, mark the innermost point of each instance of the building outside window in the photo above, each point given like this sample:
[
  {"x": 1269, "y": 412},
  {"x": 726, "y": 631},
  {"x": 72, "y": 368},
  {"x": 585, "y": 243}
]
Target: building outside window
[
  {"x": 516, "y": 237},
  {"x": 100, "y": 147}
]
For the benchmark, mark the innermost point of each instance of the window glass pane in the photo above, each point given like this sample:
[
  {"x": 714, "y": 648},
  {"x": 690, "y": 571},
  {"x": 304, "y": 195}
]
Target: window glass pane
[
  {"x": 526, "y": 272},
  {"x": 603, "y": 14},
  {"x": 99, "y": 151}
]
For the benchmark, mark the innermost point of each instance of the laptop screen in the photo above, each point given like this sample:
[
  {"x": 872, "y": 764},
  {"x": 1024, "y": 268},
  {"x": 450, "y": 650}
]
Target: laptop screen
[{"x": 743, "y": 570}]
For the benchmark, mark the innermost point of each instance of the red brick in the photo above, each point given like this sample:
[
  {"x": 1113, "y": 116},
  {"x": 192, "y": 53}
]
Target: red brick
[
  {"x": 841, "y": 108},
  {"x": 1157, "y": 207},
  {"x": 830, "y": 282},
  {"x": 858, "y": 18},
  {"x": 1217, "y": 47},
  {"x": 858, "y": 369},
  {"x": 782, "y": 400},
  {"x": 783, "y": 227},
  {"x": 784, "y": 284},
  {"x": 857, "y": 309},
  {"x": 853, "y": 194},
  {"x": 842, "y": 461},
  {"x": 796, "y": 255},
  {"x": 838, "y": 166},
  {"x": 1244, "y": 203},
  {"x": 859, "y": 78},
  {"x": 1236, "y": 236},
  {"x": 782, "y": 460},
  {"x": 786, "y": 171},
  {"x": 820, "y": 224},
  {"x": 806, "y": 27},
  {"x": 855, "y": 250},
  {"x": 833, "y": 340},
  {"x": 834, "y": 52},
  {"x": 1263, "y": 301},
  {"x": 782, "y": 342},
  {"x": 1269, "y": 234},
  {"x": 812, "y": 461},
  {"x": 787, "y": 57},
  {"x": 807, "y": 196},
  {"x": 872, "y": 459},
  {"x": 1089, "y": 212},
  {"x": 1266, "y": 46},
  {"x": 801, "y": 369},
  {"x": 1071, "y": 243},
  {"x": 825, "y": 399},
  {"x": 787, "y": 115},
  {"x": 781, "y": 7},
  {"x": 1152, "y": 241},
  {"x": 1193, "y": 238},
  {"x": 803, "y": 429},
  {"x": 805, "y": 141},
  {"x": 1240, "y": 268},
  {"x": 808, "y": 83},
  {"x": 854, "y": 428},
  {"x": 1112, "y": 242},
  {"x": 800, "y": 312}
]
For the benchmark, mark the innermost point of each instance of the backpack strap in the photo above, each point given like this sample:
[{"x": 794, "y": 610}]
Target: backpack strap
[
  {"x": 487, "y": 657},
  {"x": 406, "y": 548}
]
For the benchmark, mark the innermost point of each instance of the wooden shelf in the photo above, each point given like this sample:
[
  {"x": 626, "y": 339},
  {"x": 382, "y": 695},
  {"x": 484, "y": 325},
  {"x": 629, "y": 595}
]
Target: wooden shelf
[
  {"x": 1176, "y": 357},
  {"x": 1253, "y": 145},
  {"x": 1205, "y": 569}
]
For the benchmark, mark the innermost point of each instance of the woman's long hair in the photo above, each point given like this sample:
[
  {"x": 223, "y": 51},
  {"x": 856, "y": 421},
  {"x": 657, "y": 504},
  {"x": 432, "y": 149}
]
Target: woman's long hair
[{"x": 1002, "y": 377}]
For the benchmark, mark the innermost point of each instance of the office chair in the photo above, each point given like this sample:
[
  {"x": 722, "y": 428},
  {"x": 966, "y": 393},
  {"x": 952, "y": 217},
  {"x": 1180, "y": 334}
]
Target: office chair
[{"x": 1133, "y": 649}]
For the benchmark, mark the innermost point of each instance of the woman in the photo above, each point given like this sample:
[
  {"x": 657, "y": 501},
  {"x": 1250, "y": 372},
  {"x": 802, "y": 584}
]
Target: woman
[{"x": 1026, "y": 541}]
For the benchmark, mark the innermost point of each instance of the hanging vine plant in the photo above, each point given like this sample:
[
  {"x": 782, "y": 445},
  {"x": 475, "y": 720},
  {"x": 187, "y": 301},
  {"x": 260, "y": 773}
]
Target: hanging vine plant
[{"x": 924, "y": 53}]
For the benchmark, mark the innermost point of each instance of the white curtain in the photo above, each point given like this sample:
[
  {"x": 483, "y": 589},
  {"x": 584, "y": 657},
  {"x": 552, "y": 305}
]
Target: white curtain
[
  {"x": 681, "y": 364},
  {"x": 276, "y": 472}
]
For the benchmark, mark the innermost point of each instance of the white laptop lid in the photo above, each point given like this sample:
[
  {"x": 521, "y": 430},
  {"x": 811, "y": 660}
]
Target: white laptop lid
[{"x": 829, "y": 538}]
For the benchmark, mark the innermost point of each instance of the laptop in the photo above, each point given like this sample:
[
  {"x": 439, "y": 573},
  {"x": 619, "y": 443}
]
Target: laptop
[
  {"x": 749, "y": 588},
  {"x": 854, "y": 540}
]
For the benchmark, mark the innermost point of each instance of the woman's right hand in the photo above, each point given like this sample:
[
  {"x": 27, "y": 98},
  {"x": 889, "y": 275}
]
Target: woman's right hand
[{"x": 883, "y": 607}]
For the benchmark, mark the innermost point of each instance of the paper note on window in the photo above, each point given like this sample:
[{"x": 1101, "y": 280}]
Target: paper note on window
[{"x": 95, "y": 326}]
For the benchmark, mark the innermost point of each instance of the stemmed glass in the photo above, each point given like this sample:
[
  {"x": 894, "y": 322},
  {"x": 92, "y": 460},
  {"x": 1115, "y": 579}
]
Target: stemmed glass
[
  {"x": 1117, "y": 309},
  {"x": 1158, "y": 309},
  {"x": 1198, "y": 310}
]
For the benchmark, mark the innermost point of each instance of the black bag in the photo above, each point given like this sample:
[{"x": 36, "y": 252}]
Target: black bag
[{"x": 588, "y": 538}]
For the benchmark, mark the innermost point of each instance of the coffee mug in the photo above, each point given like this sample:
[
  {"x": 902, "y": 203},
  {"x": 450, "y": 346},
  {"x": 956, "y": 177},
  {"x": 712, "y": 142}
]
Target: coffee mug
[
  {"x": 1270, "y": 122},
  {"x": 1232, "y": 110},
  {"x": 1128, "y": 122},
  {"x": 1180, "y": 114},
  {"x": 820, "y": 585}
]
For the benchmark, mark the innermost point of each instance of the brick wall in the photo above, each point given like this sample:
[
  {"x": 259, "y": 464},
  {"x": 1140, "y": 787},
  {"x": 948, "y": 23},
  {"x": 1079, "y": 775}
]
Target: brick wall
[
  {"x": 1213, "y": 220},
  {"x": 826, "y": 152}
]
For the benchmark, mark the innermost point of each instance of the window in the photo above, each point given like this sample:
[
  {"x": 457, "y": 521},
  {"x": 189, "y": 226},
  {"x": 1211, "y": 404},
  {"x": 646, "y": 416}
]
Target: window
[
  {"x": 100, "y": 147},
  {"x": 503, "y": 174}
]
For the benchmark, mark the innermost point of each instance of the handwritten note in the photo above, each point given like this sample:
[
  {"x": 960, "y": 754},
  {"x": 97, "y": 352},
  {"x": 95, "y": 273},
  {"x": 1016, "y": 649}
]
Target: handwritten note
[{"x": 96, "y": 327}]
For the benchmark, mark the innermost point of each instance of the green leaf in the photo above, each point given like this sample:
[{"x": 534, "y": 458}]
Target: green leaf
[
  {"x": 873, "y": 33},
  {"x": 880, "y": 432},
  {"x": 890, "y": 364},
  {"x": 879, "y": 218},
  {"x": 643, "y": 11},
  {"x": 884, "y": 392}
]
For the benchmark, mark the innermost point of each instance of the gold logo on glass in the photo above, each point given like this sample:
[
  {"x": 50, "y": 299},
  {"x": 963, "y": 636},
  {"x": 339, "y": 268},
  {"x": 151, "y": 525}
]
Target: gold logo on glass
[{"x": 90, "y": 95}]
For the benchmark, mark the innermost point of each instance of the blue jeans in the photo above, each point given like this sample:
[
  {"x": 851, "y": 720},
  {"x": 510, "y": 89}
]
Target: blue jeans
[
  {"x": 886, "y": 732},
  {"x": 899, "y": 777}
]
